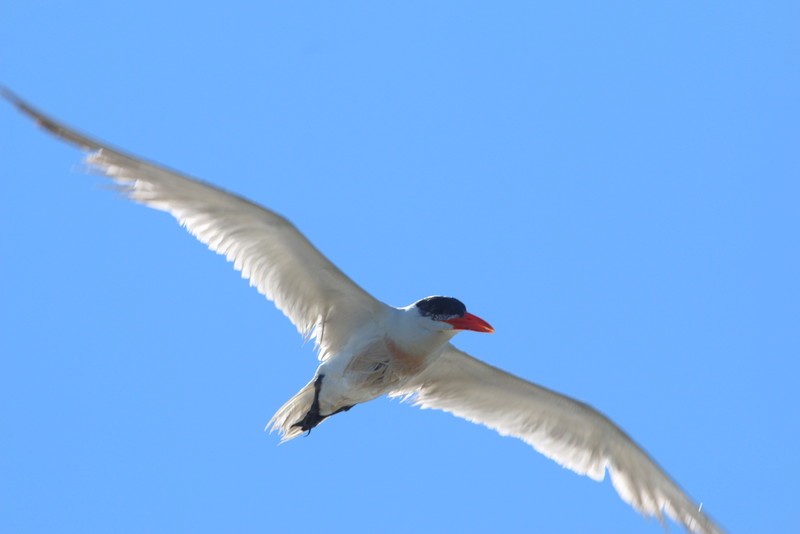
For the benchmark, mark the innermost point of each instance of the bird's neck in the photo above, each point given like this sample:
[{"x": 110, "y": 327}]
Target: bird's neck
[{"x": 408, "y": 336}]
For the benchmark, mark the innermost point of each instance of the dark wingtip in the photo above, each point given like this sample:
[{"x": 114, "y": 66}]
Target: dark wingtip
[
  {"x": 42, "y": 119},
  {"x": 16, "y": 101},
  {"x": 51, "y": 125},
  {"x": 12, "y": 98}
]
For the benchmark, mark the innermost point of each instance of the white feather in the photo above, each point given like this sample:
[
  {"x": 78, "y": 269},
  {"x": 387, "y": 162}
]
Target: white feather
[
  {"x": 277, "y": 259},
  {"x": 565, "y": 430}
]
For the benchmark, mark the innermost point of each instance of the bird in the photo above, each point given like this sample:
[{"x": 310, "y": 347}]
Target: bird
[{"x": 367, "y": 349}]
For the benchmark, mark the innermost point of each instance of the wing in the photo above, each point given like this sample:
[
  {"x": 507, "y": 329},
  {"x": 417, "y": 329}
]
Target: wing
[
  {"x": 321, "y": 301},
  {"x": 570, "y": 432}
]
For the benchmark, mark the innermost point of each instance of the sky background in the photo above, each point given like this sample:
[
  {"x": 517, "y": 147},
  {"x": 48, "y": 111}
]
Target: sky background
[{"x": 613, "y": 185}]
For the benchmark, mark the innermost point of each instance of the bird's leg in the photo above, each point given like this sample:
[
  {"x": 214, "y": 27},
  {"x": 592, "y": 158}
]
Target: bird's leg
[{"x": 314, "y": 417}]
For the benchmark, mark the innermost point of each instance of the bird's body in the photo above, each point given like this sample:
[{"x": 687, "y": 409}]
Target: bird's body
[
  {"x": 368, "y": 349},
  {"x": 381, "y": 357}
]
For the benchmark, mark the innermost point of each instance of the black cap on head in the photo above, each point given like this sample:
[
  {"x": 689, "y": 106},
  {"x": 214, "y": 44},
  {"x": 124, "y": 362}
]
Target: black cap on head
[{"x": 439, "y": 308}]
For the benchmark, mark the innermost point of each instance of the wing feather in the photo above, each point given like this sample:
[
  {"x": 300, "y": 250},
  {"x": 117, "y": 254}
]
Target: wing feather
[
  {"x": 268, "y": 250},
  {"x": 572, "y": 433}
]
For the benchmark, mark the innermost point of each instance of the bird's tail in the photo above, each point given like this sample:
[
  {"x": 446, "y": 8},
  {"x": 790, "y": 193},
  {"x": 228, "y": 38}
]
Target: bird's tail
[{"x": 295, "y": 409}]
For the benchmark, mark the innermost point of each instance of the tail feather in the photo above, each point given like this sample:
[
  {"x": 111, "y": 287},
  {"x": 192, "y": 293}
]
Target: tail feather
[{"x": 290, "y": 413}]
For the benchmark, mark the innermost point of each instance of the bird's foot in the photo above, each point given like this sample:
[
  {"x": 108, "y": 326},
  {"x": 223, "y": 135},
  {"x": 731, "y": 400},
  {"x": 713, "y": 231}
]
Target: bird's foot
[
  {"x": 311, "y": 419},
  {"x": 314, "y": 417}
]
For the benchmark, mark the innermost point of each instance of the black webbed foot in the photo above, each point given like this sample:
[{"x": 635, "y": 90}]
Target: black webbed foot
[{"x": 314, "y": 417}]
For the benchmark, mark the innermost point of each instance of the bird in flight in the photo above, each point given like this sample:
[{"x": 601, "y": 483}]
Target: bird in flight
[{"x": 368, "y": 349}]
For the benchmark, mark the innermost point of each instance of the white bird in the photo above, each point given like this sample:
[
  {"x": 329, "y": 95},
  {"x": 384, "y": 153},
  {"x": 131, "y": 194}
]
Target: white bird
[{"x": 368, "y": 349}]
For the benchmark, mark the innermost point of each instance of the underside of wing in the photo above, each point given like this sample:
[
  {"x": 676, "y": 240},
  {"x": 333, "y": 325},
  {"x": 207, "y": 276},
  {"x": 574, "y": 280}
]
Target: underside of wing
[
  {"x": 321, "y": 301},
  {"x": 568, "y": 431}
]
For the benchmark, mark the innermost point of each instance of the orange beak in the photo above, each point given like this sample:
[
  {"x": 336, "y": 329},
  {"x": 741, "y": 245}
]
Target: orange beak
[{"x": 470, "y": 322}]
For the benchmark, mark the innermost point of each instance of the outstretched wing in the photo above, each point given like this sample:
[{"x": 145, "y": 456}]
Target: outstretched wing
[
  {"x": 321, "y": 301},
  {"x": 565, "y": 430}
]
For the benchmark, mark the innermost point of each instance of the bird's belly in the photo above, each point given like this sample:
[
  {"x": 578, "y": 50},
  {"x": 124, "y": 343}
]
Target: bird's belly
[{"x": 368, "y": 373}]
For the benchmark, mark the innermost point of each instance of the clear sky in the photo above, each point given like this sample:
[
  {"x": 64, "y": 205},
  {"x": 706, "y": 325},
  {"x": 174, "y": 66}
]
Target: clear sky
[{"x": 613, "y": 185}]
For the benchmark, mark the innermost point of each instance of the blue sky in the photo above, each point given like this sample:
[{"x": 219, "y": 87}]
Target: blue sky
[{"x": 613, "y": 186}]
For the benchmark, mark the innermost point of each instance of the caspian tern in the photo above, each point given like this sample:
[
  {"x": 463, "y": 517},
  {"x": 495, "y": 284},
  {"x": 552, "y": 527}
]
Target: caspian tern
[{"x": 368, "y": 349}]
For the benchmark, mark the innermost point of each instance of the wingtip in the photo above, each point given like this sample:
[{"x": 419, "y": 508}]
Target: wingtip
[
  {"x": 14, "y": 99},
  {"x": 51, "y": 125},
  {"x": 9, "y": 95}
]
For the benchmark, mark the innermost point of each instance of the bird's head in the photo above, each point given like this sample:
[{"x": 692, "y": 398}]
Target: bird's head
[{"x": 449, "y": 314}]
